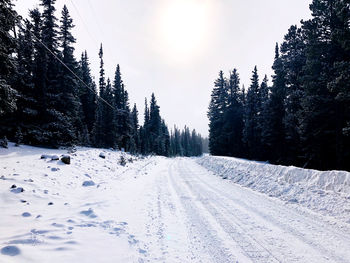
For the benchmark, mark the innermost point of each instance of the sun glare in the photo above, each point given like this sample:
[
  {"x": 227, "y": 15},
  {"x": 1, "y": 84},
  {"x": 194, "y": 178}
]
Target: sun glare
[{"x": 184, "y": 27}]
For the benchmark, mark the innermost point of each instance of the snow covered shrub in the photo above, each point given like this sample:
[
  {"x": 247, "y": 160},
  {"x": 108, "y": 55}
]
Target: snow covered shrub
[
  {"x": 122, "y": 160},
  {"x": 18, "y": 137},
  {"x": 4, "y": 143}
]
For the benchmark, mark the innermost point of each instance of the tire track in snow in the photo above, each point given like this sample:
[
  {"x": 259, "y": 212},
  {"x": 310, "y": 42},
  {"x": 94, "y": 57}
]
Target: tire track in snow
[
  {"x": 248, "y": 244},
  {"x": 318, "y": 230},
  {"x": 203, "y": 235}
]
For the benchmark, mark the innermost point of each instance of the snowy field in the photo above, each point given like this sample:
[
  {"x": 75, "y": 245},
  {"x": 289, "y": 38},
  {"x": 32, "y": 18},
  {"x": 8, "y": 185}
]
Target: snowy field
[{"x": 167, "y": 210}]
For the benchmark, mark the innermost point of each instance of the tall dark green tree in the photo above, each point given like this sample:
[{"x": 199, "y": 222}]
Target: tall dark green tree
[
  {"x": 99, "y": 131},
  {"x": 293, "y": 59},
  {"x": 217, "y": 108},
  {"x": 68, "y": 87},
  {"x": 7, "y": 63},
  {"x": 251, "y": 134},
  {"x": 154, "y": 126},
  {"x": 273, "y": 135},
  {"x": 87, "y": 96},
  {"x": 324, "y": 112},
  {"x": 27, "y": 112},
  {"x": 233, "y": 117},
  {"x": 135, "y": 128}
]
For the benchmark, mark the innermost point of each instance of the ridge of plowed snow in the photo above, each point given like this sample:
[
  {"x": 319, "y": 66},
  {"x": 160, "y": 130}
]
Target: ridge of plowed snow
[{"x": 327, "y": 192}]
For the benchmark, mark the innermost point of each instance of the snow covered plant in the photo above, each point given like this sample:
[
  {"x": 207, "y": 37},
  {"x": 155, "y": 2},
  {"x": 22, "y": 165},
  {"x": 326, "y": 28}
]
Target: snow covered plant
[
  {"x": 122, "y": 160},
  {"x": 4, "y": 142}
]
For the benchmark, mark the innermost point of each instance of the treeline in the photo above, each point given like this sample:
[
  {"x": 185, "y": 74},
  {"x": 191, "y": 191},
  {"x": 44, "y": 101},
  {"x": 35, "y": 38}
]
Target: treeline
[
  {"x": 303, "y": 119},
  {"x": 49, "y": 98}
]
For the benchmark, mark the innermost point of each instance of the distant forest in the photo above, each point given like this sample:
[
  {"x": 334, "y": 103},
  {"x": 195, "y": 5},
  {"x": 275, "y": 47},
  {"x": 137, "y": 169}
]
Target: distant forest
[
  {"x": 49, "y": 98},
  {"x": 303, "y": 119}
]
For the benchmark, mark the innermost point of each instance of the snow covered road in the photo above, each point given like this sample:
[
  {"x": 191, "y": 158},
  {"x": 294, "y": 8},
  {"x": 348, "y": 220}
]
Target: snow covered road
[{"x": 153, "y": 210}]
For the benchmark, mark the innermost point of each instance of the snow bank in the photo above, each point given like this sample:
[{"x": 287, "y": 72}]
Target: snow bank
[{"x": 327, "y": 192}]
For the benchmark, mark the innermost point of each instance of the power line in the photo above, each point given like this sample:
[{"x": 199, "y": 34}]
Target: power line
[
  {"x": 101, "y": 29},
  {"x": 19, "y": 19},
  {"x": 83, "y": 21}
]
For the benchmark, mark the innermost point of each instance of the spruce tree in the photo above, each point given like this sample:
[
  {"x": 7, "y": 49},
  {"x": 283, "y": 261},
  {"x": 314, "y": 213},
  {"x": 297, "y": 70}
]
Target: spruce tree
[
  {"x": 251, "y": 134},
  {"x": 7, "y": 64},
  {"x": 233, "y": 117},
  {"x": 273, "y": 135},
  {"x": 68, "y": 87},
  {"x": 87, "y": 96},
  {"x": 217, "y": 108},
  {"x": 294, "y": 59},
  {"x": 99, "y": 132}
]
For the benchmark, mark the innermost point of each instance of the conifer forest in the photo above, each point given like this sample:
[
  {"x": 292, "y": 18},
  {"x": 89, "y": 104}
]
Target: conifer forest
[
  {"x": 303, "y": 118},
  {"x": 49, "y": 98}
]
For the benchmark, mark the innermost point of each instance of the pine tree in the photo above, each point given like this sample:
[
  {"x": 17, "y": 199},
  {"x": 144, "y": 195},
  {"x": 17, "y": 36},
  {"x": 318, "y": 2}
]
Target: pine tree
[
  {"x": 217, "y": 108},
  {"x": 99, "y": 132},
  {"x": 323, "y": 115},
  {"x": 154, "y": 127},
  {"x": 109, "y": 118},
  {"x": 135, "y": 128},
  {"x": 87, "y": 96},
  {"x": 251, "y": 134},
  {"x": 68, "y": 101},
  {"x": 294, "y": 59},
  {"x": 273, "y": 135},
  {"x": 27, "y": 112},
  {"x": 49, "y": 70},
  {"x": 7, "y": 65},
  {"x": 233, "y": 117}
]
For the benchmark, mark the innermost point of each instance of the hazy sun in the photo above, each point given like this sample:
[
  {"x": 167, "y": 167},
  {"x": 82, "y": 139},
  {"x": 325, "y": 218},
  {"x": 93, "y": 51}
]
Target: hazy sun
[{"x": 184, "y": 26}]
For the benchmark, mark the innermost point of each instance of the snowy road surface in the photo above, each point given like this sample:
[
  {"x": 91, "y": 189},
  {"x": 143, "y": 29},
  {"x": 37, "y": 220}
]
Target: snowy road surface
[{"x": 153, "y": 210}]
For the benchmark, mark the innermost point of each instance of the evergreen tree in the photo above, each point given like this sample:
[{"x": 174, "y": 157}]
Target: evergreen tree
[
  {"x": 68, "y": 100},
  {"x": 293, "y": 58},
  {"x": 7, "y": 64},
  {"x": 87, "y": 96},
  {"x": 324, "y": 104},
  {"x": 135, "y": 128},
  {"x": 251, "y": 134},
  {"x": 233, "y": 117},
  {"x": 216, "y": 113},
  {"x": 154, "y": 127},
  {"x": 49, "y": 69},
  {"x": 274, "y": 134},
  {"x": 27, "y": 112},
  {"x": 99, "y": 131}
]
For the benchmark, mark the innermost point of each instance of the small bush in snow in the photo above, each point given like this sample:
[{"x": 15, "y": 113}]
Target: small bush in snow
[
  {"x": 18, "y": 137},
  {"x": 4, "y": 143},
  {"x": 122, "y": 160}
]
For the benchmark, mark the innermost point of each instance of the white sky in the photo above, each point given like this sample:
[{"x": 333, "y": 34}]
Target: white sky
[{"x": 175, "y": 48}]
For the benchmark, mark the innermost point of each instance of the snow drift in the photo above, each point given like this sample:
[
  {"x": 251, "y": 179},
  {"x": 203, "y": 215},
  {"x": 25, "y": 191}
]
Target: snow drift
[{"x": 327, "y": 192}]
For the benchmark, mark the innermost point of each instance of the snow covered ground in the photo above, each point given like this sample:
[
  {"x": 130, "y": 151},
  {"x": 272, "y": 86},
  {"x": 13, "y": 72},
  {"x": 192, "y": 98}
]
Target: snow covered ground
[
  {"x": 154, "y": 210},
  {"x": 327, "y": 192}
]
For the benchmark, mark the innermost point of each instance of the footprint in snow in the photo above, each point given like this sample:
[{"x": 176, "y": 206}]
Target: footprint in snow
[
  {"x": 26, "y": 214},
  {"x": 57, "y": 225},
  {"x": 88, "y": 183},
  {"x": 10, "y": 251},
  {"x": 17, "y": 190},
  {"x": 90, "y": 213}
]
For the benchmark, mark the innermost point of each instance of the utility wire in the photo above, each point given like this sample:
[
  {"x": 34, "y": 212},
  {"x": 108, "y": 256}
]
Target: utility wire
[
  {"x": 86, "y": 27},
  {"x": 19, "y": 19},
  {"x": 100, "y": 29}
]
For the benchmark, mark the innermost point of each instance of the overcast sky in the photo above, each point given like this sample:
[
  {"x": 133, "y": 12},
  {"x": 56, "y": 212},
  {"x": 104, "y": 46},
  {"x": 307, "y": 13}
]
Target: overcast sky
[{"x": 175, "y": 48}]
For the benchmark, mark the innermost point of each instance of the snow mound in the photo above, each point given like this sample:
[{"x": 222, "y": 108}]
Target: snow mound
[{"x": 327, "y": 192}]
